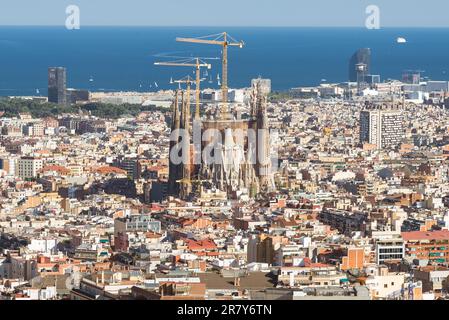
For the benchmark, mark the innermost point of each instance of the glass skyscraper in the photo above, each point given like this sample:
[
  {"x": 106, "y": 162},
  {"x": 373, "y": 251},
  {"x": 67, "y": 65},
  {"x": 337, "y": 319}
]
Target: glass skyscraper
[
  {"x": 361, "y": 56},
  {"x": 57, "y": 91}
]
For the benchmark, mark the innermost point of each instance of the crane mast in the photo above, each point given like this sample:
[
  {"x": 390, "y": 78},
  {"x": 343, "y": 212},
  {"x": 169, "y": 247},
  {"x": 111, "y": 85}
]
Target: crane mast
[
  {"x": 197, "y": 90},
  {"x": 224, "y": 70}
]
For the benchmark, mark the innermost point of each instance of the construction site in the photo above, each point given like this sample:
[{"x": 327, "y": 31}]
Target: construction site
[{"x": 223, "y": 155}]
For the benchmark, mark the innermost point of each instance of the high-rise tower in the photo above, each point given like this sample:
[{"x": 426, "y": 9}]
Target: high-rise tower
[
  {"x": 57, "y": 85},
  {"x": 382, "y": 126},
  {"x": 362, "y": 55}
]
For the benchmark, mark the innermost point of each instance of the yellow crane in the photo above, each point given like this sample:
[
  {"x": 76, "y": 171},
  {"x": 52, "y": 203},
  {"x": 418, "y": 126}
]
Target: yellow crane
[
  {"x": 221, "y": 39},
  {"x": 197, "y": 63},
  {"x": 187, "y": 80}
]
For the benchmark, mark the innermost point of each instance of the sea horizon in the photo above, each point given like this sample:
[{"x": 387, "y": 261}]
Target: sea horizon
[{"x": 121, "y": 58}]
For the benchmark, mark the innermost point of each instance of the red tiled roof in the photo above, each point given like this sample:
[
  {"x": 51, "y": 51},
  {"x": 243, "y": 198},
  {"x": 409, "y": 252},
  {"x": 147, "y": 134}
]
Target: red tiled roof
[
  {"x": 200, "y": 244},
  {"x": 60, "y": 169},
  {"x": 426, "y": 235},
  {"x": 307, "y": 262},
  {"x": 155, "y": 206},
  {"x": 152, "y": 235},
  {"x": 109, "y": 169}
]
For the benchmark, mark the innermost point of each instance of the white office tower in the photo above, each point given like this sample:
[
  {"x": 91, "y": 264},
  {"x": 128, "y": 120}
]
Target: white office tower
[{"x": 382, "y": 127}]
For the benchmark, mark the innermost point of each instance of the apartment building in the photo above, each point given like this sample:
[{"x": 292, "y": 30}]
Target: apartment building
[
  {"x": 381, "y": 127},
  {"x": 29, "y": 167},
  {"x": 389, "y": 246},
  {"x": 316, "y": 274},
  {"x": 427, "y": 246}
]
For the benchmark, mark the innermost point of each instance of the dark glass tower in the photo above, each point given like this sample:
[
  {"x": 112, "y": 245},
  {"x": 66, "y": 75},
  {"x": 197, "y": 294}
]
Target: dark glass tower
[
  {"x": 362, "y": 55},
  {"x": 57, "y": 92}
]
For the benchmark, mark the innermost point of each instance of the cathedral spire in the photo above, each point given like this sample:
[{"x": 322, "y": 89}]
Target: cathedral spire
[
  {"x": 263, "y": 163},
  {"x": 186, "y": 185},
  {"x": 173, "y": 168}
]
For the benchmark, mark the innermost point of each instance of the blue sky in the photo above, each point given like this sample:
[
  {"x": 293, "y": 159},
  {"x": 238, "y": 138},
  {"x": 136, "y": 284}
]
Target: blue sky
[{"x": 394, "y": 13}]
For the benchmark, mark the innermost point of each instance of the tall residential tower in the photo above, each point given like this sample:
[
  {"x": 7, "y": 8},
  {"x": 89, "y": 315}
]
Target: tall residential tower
[{"x": 382, "y": 126}]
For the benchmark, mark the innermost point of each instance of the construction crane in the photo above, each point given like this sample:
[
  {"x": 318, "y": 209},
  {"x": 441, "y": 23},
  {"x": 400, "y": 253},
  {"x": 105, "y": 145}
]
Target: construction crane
[
  {"x": 197, "y": 63},
  {"x": 221, "y": 39},
  {"x": 187, "y": 80}
]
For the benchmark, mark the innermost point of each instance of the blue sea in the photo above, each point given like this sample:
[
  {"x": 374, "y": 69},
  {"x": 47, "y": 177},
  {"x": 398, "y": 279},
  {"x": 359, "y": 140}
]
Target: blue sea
[{"x": 122, "y": 58}]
